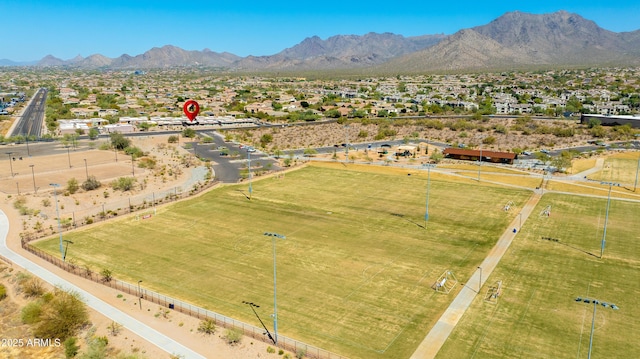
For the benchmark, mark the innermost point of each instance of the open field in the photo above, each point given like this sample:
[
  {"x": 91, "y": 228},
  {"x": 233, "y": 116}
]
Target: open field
[
  {"x": 355, "y": 271},
  {"x": 620, "y": 168},
  {"x": 537, "y": 316},
  {"x": 582, "y": 164}
]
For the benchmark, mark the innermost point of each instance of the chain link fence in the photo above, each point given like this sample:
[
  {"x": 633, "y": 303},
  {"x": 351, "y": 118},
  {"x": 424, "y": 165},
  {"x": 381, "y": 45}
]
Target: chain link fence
[
  {"x": 139, "y": 203},
  {"x": 143, "y": 203},
  {"x": 292, "y": 345}
]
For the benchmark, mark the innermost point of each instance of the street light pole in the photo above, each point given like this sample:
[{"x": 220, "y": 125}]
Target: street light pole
[
  {"x": 426, "y": 213},
  {"x": 480, "y": 281},
  {"x": 68, "y": 156},
  {"x": 35, "y": 189},
  {"x": 86, "y": 169},
  {"x": 275, "y": 297},
  {"x": 249, "y": 166},
  {"x": 593, "y": 324},
  {"x": 635, "y": 184},
  {"x": 133, "y": 169},
  {"x": 520, "y": 226},
  {"x": 139, "y": 295},
  {"x": 593, "y": 319},
  {"x": 55, "y": 195},
  {"x": 346, "y": 143},
  {"x": 479, "y": 163},
  {"x": 606, "y": 219},
  {"x": 10, "y": 164}
]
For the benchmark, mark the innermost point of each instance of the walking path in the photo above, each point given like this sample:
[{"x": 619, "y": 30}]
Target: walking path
[
  {"x": 162, "y": 341},
  {"x": 582, "y": 175},
  {"x": 441, "y": 330}
]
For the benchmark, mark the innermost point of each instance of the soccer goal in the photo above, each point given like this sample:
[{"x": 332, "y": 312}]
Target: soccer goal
[
  {"x": 493, "y": 293},
  {"x": 146, "y": 214},
  {"x": 546, "y": 212},
  {"x": 445, "y": 283},
  {"x": 508, "y": 206}
]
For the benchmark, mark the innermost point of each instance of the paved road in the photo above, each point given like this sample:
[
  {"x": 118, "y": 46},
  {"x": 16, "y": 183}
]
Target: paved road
[
  {"x": 440, "y": 332},
  {"x": 162, "y": 341},
  {"x": 30, "y": 122}
]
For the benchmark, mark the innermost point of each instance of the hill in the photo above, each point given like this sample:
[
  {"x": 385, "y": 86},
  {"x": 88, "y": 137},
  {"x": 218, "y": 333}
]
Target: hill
[
  {"x": 514, "y": 40},
  {"x": 519, "y": 40}
]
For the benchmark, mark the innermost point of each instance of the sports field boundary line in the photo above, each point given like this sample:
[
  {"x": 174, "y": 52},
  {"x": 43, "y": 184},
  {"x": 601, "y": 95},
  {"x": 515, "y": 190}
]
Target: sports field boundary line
[{"x": 437, "y": 336}]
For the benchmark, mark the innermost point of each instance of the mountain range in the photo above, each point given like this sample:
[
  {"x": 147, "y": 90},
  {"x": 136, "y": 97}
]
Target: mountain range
[{"x": 514, "y": 40}]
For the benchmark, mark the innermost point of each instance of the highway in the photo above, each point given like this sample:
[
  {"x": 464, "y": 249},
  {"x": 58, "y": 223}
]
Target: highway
[{"x": 31, "y": 122}]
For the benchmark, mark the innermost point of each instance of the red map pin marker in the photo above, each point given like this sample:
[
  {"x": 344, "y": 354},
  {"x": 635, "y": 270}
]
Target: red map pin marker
[{"x": 191, "y": 109}]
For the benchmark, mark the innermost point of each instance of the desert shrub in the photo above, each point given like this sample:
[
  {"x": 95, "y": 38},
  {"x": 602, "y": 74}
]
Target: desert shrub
[
  {"x": 114, "y": 328},
  {"x": 31, "y": 312},
  {"x": 106, "y": 275},
  {"x": 489, "y": 140},
  {"x": 62, "y": 316},
  {"x": 189, "y": 132},
  {"x": 500, "y": 129},
  {"x": 173, "y": 139},
  {"x": 72, "y": 186},
  {"x": 118, "y": 141},
  {"x": 123, "y": 183},
  {"x": 207, "y": 326},
  {"x": 97, "y": 348},
  {"x": 91, "y": 183},
  {"x": 71, "y": 347},
  {"x": 3, "y": 292},
  {"x": 147, "y": 162},
  {"x": 563, "y": 131},
  {"x": 233, "y": 336},
  {"x": 434, "y": 124},
  {"x": 598, "y": 131},
  {"x": 20, "y": 201},
  {"x": 32, "y": 286},
  {"x": 136, "y": 152}
]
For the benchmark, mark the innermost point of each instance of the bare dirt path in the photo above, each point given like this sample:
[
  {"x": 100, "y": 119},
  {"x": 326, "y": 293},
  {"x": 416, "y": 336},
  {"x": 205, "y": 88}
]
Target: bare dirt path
[{"x": 440, "y": 332}]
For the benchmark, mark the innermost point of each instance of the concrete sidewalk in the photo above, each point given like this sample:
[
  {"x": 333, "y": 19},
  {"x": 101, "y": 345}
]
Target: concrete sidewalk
[
  {"x": 162, "y": 341},
  {"x": 442, "y": 329}
]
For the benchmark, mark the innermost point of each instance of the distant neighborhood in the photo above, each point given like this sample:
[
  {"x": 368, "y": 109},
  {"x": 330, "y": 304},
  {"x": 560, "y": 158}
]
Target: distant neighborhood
[{"x": 137, "y": 100}]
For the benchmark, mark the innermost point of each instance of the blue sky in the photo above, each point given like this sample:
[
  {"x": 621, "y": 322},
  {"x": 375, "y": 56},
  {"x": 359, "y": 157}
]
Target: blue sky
[{"x": 34, "y": 29}]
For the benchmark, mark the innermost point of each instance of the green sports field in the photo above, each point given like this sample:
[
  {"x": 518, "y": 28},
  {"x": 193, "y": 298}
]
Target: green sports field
[
  {"x": 536, "y": 315},
  {"x": 354, "y": 272},
  {"x": 619, "y": 168}
]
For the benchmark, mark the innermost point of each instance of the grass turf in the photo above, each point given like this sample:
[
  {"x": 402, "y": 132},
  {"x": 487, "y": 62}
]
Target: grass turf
[
  {"x": 354, "y": 272},
  {"x": 620, "y": 168},
  {"x": 536, "y": 316}
]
